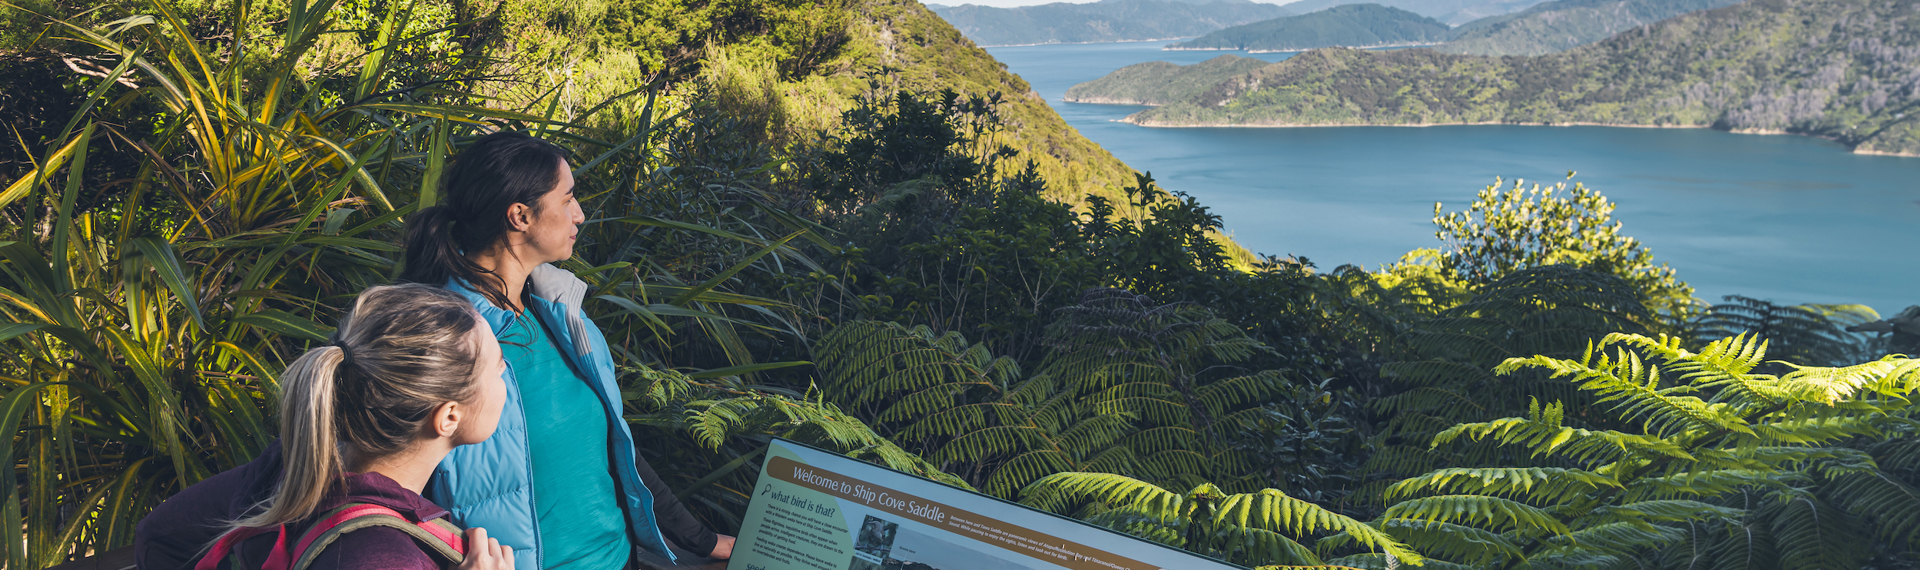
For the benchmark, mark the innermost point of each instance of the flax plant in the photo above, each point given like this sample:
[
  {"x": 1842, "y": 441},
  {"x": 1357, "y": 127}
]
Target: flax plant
[{"x": 143, "y": 332}]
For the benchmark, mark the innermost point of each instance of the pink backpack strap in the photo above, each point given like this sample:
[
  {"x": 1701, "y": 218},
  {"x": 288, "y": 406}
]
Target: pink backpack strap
[
  {"x": 224, "y": 547},
  {"x": 440, "y": 537}
]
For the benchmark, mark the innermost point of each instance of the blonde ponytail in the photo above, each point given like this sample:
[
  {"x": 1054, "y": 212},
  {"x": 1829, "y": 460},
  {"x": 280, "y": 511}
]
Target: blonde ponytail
[
  {"x": 306, "y": 424},
  {"x": 403, "y": 351}
]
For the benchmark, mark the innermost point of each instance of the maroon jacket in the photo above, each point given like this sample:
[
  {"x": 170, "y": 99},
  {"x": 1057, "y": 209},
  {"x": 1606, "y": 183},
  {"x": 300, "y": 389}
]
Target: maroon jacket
[{"x": 175, "y": 535}]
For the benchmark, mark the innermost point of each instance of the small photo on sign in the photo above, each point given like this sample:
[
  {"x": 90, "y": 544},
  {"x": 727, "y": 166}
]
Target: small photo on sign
[{"x": 875, "y": 540}]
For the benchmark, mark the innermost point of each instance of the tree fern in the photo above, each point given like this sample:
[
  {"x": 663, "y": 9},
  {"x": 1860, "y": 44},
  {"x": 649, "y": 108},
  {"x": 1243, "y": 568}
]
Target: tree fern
[
  {"x": 1127, "y": 387},
  {"x": 1446, "y": 372},
  {"x": 1808, "y": 334},
  {"x": 1713, "y": 462}
]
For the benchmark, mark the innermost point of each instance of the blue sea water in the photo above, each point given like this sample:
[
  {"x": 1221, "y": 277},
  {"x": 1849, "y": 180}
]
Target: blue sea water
[{"x": 1786, "y": 218}]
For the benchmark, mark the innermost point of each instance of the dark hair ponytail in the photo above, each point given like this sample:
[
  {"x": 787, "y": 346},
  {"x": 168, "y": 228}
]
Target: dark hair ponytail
[{"x": 496, "y": 172}]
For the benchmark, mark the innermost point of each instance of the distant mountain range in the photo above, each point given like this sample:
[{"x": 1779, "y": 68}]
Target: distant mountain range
[
  {"x": 1839, "y": 69},
  {"x": 1483, "y": 27},
  {"x": 1104, "y": 21},
  {"x": 1453, "y": 12},
  {"x": 1159, "y": 82},
  {"x": 1351, "y": 25},
  {"x": 1565, "y": 24}
]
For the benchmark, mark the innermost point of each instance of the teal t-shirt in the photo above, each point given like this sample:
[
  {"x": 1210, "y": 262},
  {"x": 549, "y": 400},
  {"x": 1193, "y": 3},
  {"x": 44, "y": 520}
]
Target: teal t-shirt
[{"x": 581, "y": 525}]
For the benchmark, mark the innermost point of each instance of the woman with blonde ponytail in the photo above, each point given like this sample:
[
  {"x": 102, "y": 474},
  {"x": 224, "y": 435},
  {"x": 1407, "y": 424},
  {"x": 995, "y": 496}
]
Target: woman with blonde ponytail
[{"x": 411, "y": 374}]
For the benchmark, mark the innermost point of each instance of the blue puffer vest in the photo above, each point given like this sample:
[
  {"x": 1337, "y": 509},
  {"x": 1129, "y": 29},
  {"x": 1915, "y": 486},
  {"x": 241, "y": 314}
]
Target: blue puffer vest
[{"x": 490, "y": 484}]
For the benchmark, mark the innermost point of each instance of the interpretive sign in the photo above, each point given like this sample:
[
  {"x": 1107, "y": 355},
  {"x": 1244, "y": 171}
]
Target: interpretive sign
[{"x": 816, "y": 510}]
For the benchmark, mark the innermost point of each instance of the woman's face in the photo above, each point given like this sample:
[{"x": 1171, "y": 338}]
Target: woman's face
[
  {"x": 492, "y": 394},
  {"x": 551, "y": 232}
]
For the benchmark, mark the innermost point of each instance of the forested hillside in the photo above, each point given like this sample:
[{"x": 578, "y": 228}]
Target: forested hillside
[
  {"x": 1840, "y": 69},
  {"x": 1353, "y": 25},
  {"x": 1565, "y": 24},
  {"x": 1102, "y": 21},
  {"x": 925, "y": 54},
  {"x": 1159, "y": 82}
]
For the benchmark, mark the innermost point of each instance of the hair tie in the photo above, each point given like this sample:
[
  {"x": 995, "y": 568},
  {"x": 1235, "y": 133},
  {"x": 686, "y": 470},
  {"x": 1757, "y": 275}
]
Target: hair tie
[{"x": 346, "y": 356}]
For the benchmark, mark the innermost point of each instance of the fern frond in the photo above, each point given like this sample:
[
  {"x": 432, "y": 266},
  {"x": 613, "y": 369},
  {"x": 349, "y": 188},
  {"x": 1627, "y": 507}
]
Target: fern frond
[
  {"x": 1745, "y": 547},
  {"x": 1636, "y": 386},
  {"x": 1891, "y": 375},
  {"x": 1436, "y": 372},
  {"x": 1023, "y": 469},
  {"x": 1808, "y": 533},
  {"x": 1575, "y": 557},
  {"x": 1899, "y": 454},
  {"x": 1059, "y": 491},
  {"x": 1448, "y": 541},
  {"x": 1225, "y": 394},
  {"x": 1821, "y": 430},
  {"x": 1581, "y": 445},
  {"x": 1709, "y": 483},
  {"x": 1274, "y": 511},
  {"x": 1620, "y": 537},
  {"x": 1145, "y": 526},
  {"x": 1539, "y": 484},
  {"x": 1663, "y": 510},
  {"x": 1427, "y": 398},
  {"x": 1892, "y": 504},
  {"x": 1248, "y": 544},
  {"x": 1494, "y": 512},
  {"x": 1383, "y": 562}
]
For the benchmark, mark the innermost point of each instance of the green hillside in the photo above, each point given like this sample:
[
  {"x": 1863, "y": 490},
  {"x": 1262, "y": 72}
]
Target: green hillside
[
  {"x": 1565, "y": 24},
  {"x": 1354, "y": 25},
  {"x": 1159, "y": 82},
  {"x": 900, "y": 43},
  {"x": 929, "y": 55},
  {"x": 1839, "y": 69},
  {"x": 1105, "y": 21}
]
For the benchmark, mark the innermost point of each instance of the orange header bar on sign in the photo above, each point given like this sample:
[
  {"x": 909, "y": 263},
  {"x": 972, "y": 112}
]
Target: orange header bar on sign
[{"x": 1019, "y": 540}]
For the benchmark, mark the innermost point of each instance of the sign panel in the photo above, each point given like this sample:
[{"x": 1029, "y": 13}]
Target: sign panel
[{"x": 817, "y": 510}]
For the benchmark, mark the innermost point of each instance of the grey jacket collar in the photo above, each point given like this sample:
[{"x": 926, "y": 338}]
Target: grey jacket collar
[
  {"x": 554, "y": 290},
  {"x": 564, "y": 288}
]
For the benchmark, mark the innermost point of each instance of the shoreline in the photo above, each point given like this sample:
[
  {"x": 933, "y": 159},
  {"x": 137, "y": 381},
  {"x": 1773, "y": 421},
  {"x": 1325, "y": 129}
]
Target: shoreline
[
  {"x": 1105, "y": 101},
  {"x": 1298, "y": 50},
  {"x": 1766, "y": 132},
  {"x": 1081, "y": 43}
]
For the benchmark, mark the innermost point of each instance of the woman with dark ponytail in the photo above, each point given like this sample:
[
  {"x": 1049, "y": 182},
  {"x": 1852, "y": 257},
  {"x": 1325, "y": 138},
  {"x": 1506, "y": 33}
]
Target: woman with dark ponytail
[
  {"x": 410, "y": 375},
  {"x": 561, "y": 481}
]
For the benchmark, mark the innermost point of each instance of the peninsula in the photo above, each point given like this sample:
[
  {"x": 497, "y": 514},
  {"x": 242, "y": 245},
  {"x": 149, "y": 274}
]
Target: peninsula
[
  {"x": 1159, "y": 82},
  {"x": 1837, "y": 69}
]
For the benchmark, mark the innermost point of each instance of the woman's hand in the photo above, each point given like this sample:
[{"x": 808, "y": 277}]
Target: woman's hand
[
  {"x": 487, "y": 553},
  {"x": 723, "y": 548}
]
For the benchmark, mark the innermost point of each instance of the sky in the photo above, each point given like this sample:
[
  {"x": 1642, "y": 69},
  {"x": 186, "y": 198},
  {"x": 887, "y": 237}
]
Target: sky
[{"x": 1012, "y": 3}]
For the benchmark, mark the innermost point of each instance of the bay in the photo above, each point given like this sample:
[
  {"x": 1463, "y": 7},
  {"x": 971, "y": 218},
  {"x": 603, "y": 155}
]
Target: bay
[{"x": 1785, "y": 218}]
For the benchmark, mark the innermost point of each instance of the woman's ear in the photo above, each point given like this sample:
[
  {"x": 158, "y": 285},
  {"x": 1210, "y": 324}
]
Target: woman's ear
[
  {"x": 519, "y": 217},
  {"x": 445, "y": 421}
]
